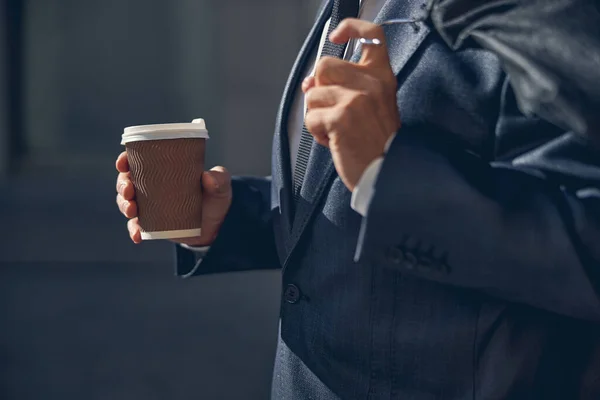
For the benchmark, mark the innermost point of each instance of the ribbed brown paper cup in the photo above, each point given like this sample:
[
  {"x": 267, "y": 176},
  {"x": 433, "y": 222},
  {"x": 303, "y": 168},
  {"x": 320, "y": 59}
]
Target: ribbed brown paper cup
[{"x": 166, "y": 163}]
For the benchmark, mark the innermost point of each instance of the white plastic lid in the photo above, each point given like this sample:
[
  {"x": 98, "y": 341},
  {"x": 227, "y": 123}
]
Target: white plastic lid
[{"x": 195, "y": 129}]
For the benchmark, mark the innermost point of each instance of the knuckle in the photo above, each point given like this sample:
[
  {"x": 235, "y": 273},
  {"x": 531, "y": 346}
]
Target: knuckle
[
  {"x": 374, "y": 85},
  {"x": 338, "y": 117},
  {"x": 131, "y": 189},
  {"x": 122, "y": 208},
  {"x": 310, "y": 121},
  {"x": 126, "y": 208},
  {"x": 132, "y": 208},
  {"x": 324, "y": 66},
  {"x": 358, "y": 101},
  {"x": 132, "y": 225},
  {"x": 326, "y": 62},
  {"x": 122, "y": 180},
  {"x": 379, "y": 87},
  {"x": 310, "y": 97}
]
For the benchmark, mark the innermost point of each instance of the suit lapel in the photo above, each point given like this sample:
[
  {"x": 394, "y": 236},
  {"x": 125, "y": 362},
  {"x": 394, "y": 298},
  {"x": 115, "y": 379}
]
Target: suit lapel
[
  {"x": 282, "y": 175},
  {"x": 403, "y": 41}
]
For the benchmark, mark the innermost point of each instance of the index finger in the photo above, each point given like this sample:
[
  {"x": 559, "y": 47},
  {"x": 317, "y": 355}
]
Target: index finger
[
  {"x": 122, "y": 163},
  {"x": 352, "y": 28}
]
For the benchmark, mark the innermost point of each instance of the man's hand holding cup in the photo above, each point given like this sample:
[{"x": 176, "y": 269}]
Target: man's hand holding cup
[{"x": 163, "y": 189}]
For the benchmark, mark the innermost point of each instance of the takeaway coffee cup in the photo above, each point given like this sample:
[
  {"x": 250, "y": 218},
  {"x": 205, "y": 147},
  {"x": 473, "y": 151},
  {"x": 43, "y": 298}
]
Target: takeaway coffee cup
[{"x": 166, "y": 163}]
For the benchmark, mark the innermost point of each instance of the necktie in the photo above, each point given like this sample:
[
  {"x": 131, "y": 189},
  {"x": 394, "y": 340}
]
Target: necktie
[{"x": 341, "y": 9}]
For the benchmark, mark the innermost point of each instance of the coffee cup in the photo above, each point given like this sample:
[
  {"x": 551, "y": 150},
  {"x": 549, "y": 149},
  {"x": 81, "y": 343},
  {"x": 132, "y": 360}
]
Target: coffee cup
[{"x": 166, "y": 163}]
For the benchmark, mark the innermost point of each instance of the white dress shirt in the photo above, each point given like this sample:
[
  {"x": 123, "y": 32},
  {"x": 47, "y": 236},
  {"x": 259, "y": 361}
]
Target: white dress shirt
[{"x": 364, "y": 190}]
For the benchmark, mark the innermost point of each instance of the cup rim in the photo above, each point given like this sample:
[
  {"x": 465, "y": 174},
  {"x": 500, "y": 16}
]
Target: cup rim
[{"x": 191, "y": 130}]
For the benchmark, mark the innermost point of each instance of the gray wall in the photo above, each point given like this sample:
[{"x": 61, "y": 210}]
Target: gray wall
[
  {"x": 94, "y": 67},
  {"x": 85, "y": 314}
]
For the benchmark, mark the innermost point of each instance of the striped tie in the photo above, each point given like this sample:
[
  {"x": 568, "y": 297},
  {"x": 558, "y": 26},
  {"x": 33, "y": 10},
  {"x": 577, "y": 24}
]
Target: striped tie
[{"x": 341, "y": 9}]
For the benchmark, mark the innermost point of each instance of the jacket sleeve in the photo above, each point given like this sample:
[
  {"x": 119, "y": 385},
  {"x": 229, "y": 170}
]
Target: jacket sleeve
[
  {"x": 245, "y": 240},
  {"x": 525, "y": 229}
]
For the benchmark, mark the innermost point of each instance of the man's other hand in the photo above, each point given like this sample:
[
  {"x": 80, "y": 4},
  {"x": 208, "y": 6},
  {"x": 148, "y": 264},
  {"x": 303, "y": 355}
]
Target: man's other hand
[
  {"x": 216, "y": 199},
  {"x": 352, "y": 107}
]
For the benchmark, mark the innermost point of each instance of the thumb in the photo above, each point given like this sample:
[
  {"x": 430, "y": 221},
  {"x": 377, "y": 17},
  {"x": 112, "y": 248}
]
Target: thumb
[{"x": 216, "y": 182}]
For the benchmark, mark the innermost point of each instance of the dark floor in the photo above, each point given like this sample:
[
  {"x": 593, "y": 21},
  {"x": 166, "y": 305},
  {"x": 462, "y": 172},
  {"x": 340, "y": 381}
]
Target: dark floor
[{"x": 84, "y": 314}]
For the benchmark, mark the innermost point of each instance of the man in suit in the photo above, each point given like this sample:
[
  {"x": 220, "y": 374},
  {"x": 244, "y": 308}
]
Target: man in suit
[{"x": 434, "y": 242}]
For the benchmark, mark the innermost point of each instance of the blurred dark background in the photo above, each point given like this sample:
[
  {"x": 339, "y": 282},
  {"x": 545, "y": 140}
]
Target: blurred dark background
[{"x": 85, "y": 314}]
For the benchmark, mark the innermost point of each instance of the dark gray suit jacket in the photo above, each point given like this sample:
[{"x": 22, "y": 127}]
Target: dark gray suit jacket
[{"x": 475, "y": 274}]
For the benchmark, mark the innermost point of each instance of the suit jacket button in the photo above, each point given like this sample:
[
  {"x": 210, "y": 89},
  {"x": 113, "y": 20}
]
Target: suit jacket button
[{"x": 292, "y": 294}]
